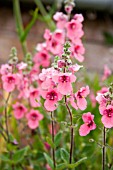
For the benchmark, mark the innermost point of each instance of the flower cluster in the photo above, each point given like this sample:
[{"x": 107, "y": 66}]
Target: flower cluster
[
  {"x": 66, "y": 29},
  {"x": 105, "y": 100},
  {"x": 16, "y": 76}
]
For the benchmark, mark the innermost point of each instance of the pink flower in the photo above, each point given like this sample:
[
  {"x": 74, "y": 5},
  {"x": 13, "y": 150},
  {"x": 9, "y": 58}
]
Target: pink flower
[
  {"x": 64, "y": 81},
  {"x": 34, "y": 97},
  {"x": 21, "y": 66},
  {"x": 107, "y": 73},
  {"x": 34, "y": 73},
  {"x": 33, "y": 118},
  {"x": 5, "y": 69},
  {"x": 78, "y": 17},
  {"x": 46, "y": 78},
  {"x": 68, "y": 8},
  {"x": 54, "y": 46},
  {"x": 48, "y": 167},
  {"x": 88, "y": 125},
  {"x": 59, "y": 36},
  {"x": 41, "y": 46},
  {"x": 42, "y": 58},
  {"x": 75, "y": 68},
  {"x": 52, "y": 96},
  {"x": 74, "y": 30},
  {"x": 61, "y": 19},
  {"x": 23, "y": 87},
  {"x": 9, "y": 82},
  {"x": 80, "y": 97},
  {"x": 72, "y": 102},
  {"x": 102, "y": 101},
  {"x": 103, "y": 90},
  {"x": 107, "y": 118},
  {"x": 19, "y": 110},
  {"x": 78, "y": 51},
  {"x": 93, "y": 99}
]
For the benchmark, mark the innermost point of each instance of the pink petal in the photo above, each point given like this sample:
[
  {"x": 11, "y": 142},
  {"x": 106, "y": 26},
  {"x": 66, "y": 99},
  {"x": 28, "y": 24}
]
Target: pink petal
[
  {"x": 64, "y": 88},
  {"x": 84, "y": 130},
  {"x": 107, "y": 121},
  {"x": 33, "y": 124},
  {"x": 82, "y": 103},
  {"x": 50, "y": 105}
]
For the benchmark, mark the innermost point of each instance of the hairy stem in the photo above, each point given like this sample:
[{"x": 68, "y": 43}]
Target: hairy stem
[
  {"x": 104, "y": 149},
  {"x": 71, "y": 131},
  {"x": 53, "y": 150},
  {"x": 6, "y": 117}
]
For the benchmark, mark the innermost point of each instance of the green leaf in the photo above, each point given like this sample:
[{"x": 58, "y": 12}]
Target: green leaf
[
  {"x": 77, "y": 163},
  {"x": 61, "y": 166},
  {"x": 36, "y": 167},
  {"x": 50, "y": 142},
  {"x": 49, "y": 160},
  {"x": 5, "y": 158},
  {"x": 64, "y": 155},
  {"x": 58, "y": 138},
  {"x": 19, "y": 155},
  {"x": 29, "y": 26}
]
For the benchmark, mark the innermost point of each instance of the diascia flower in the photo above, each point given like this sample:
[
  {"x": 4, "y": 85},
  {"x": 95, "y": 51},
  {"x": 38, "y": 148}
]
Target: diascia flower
[
  {"x": 88, "y": 125},
  {"x": 34, "y": 95},
  {"x": 64, "y": 81},
  {"x": 9, "y": 82},
  {"x": 19, "y": 110},
  {"x": 80, "y": 97},
  {"x": 107, "y": 118},
  {"x": 61, "y": 19},
  {"x": 78, "y": 51},
  {"x": 42, "y": 58},
  {"x": 33, "y": 118},
  {"x": 52, "y": 96},
  {"x": 74, "y": 30}
]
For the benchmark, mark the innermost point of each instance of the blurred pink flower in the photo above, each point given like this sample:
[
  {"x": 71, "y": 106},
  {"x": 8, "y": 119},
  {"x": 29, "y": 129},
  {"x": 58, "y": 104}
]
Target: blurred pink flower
[
  {"x": 33, "y": 118},
  {"x": 42, "y": 58},
  {"x": 9, "y": 82},
  {"x": 48, "y": 167},
  {"x": 102, "y": 101},
  {"x": 75, "y": 68},
  {"x": 88, "y": 125},
  {"x": 107, "y": 73},
  {"x": 74, "y": 30},
  {"x": 19, "y": 110},
  {"x": 34, "y": 97},
  {"x": 78, "y": 17},
  {"x": 61, "y": 19},
  {"x": 78, "y": 51},
  {"x": 5, "y": 69}
]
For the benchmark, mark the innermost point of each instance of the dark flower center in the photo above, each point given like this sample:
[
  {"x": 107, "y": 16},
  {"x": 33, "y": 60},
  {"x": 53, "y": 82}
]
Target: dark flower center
[
  {"x": 108, "y": 112},
  {"x": 72, "y": 26},
  {"x": 89, "y": 123},
  {"x": 52, "y": 95},
  {"x": 34, "y": 116},
  {"x": 64, "y": 79},
  {"x": 11, "y": 79}
]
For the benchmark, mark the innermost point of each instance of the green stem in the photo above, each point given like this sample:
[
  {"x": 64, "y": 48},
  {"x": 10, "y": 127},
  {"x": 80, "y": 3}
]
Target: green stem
[
  {"x": 53, "y": 150},
  {"x": 104, "y": 149},
  {"x": 6, "y": 117},
  {"x": 71, "y": 131},
  {"x": 46, "y": 16},
  {"x": 19, "y": 24}
]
